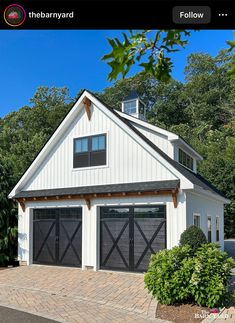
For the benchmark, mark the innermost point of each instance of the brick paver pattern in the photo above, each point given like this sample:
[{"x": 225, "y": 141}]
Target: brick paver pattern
[{"x": 73, "y": 295}]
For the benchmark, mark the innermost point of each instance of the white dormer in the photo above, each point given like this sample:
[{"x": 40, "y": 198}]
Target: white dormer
[{"x": 134, "y": 106}]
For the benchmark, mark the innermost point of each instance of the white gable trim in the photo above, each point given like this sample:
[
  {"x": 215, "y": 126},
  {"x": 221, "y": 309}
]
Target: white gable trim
[
  {"x": 172, "y": 137},
  {"x": 185, "y": 183},
  {"x": 208, "y": 194}
]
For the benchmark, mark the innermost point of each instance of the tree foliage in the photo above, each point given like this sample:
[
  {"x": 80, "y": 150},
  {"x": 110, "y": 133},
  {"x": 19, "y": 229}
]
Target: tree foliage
[
  {"x": 150, "y": 50},
  {"x": 8, "y": 219},
  {"x": 23, "y": 133}
]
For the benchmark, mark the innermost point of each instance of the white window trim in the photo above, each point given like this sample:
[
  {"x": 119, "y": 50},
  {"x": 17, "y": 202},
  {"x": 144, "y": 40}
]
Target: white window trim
[{"x": 107, "y": 152}]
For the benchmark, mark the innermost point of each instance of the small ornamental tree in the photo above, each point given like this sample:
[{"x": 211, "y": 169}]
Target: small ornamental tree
[{"x": 193, "y": 236}]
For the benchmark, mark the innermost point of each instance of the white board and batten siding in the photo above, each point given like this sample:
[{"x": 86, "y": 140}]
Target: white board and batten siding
[
  {"x": 127, "y": 160},
  {"x": 160, "y": 140},
  {"x": 205, "y": 206}
]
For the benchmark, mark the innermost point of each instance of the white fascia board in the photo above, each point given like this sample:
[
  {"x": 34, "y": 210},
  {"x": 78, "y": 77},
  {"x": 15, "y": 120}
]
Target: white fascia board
[
  {"x": 45, "y": 150},
  {"x": 186, "y": 147},
  {"x": 148, "y": 126},
  {"x": 210, "y": 195}
]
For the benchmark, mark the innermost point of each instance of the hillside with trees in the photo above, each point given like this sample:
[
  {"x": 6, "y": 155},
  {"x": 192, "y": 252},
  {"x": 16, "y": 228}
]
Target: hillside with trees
[{"x": 201, "y": 110}]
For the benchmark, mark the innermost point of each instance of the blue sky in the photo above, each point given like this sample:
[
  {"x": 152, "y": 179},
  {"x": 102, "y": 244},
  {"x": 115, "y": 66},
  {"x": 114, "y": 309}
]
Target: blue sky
[{"x": 72, "y": 58}]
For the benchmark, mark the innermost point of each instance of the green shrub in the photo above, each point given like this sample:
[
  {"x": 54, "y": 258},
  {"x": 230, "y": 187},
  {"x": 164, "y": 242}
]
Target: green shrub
[
  {"x": 211, "y": 275},
  {"x": 169, "y": 274},
  {"x": 193, "y": 236},
  {"x": 182, "y": 275}
]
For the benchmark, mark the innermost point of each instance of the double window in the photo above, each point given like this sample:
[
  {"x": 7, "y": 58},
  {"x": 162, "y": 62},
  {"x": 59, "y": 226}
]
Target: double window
[
  {"x": 89, "y": 151},
  {"x": 185, "y": 159}
]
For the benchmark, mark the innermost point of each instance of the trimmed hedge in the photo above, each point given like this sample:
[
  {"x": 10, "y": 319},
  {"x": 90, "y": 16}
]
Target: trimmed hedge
[{"x": 193, "y": 236}]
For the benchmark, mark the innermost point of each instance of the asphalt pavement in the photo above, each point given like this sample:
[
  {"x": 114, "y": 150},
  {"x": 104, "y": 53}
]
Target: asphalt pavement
[{"x": 8, "y": 315}]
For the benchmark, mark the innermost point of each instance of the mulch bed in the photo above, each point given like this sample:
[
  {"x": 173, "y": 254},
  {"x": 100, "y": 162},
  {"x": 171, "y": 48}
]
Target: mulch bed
[{"x": 182, "y": 313}]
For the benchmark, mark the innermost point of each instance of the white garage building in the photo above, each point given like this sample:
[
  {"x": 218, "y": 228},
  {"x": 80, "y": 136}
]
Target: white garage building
[{"x": 108, "y": 189}]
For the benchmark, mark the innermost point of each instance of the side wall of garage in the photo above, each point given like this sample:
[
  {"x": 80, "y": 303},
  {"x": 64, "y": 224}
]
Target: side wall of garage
[
  {"x": 205, "y": 207},
  {"x": 175, "y": 223}
]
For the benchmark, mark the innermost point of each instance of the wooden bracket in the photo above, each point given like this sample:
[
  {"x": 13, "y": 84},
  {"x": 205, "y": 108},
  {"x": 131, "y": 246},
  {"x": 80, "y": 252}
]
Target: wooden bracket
[
  {"x": 174, "y": 197},
  {"x": 87, "y": 105},
  {"x": 22, "y": 204},
  {"x": 88, "y": 203}
]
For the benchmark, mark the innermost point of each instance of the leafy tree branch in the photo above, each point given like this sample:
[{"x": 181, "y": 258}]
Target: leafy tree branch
[{"x": 150, "y": 52}]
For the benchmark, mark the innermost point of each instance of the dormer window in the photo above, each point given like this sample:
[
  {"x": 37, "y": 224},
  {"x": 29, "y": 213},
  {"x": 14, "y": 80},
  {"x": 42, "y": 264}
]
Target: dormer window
[
  {"x": 185, "y": 159},
  {"x": 133, "y": 105},
  {"x": 130, "y": 107},
  {"x": 89, "y": 151}
]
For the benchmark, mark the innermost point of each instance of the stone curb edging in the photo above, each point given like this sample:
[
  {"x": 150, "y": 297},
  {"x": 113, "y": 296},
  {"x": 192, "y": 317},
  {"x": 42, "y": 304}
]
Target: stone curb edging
[{"x": 152, "y": 308}]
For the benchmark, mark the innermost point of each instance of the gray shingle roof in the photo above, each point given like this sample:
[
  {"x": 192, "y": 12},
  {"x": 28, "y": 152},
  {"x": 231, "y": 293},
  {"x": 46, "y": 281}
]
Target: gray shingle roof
[
  {"x": 99, "y": 189},
  {"x": 131, "y": 96}
]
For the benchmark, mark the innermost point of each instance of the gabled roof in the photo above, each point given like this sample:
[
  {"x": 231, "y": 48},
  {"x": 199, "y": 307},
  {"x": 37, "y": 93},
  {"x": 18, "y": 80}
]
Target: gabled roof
[
  {"x": 131, "y": 96},
  {"x": 99, "y": 189},
  {"x": 190, "y": 176}
]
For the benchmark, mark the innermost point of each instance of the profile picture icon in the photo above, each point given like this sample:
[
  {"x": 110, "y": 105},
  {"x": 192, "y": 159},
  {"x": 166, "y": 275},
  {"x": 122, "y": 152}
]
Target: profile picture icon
[{"x": 14, "y": 15}]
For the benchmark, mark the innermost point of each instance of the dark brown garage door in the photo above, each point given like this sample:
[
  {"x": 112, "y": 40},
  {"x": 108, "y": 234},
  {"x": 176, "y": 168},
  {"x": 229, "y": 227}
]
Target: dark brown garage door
[
  {"x": 57, "y": 236},
  {"x": 129, "y": 235}
]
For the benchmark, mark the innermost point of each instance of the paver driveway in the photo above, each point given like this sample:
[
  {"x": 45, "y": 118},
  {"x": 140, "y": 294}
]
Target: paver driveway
[{"x": 73, "y": 295}]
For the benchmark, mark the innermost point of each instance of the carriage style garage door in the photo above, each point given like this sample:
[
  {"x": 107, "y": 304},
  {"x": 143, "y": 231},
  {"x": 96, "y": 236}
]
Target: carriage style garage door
[
  {"x": 57, "y": 236},
  {"x": 129, "y": 235}
]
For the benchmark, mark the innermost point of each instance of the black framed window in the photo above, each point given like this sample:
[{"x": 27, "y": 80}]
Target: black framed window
[
  {"x": 209, "y": 229},
  {"x": 89, "y": 151},
  {"x": 185, "y": 159},
  {"x": 196, "y": 220},
  {"x": 217, "y": 229}
]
